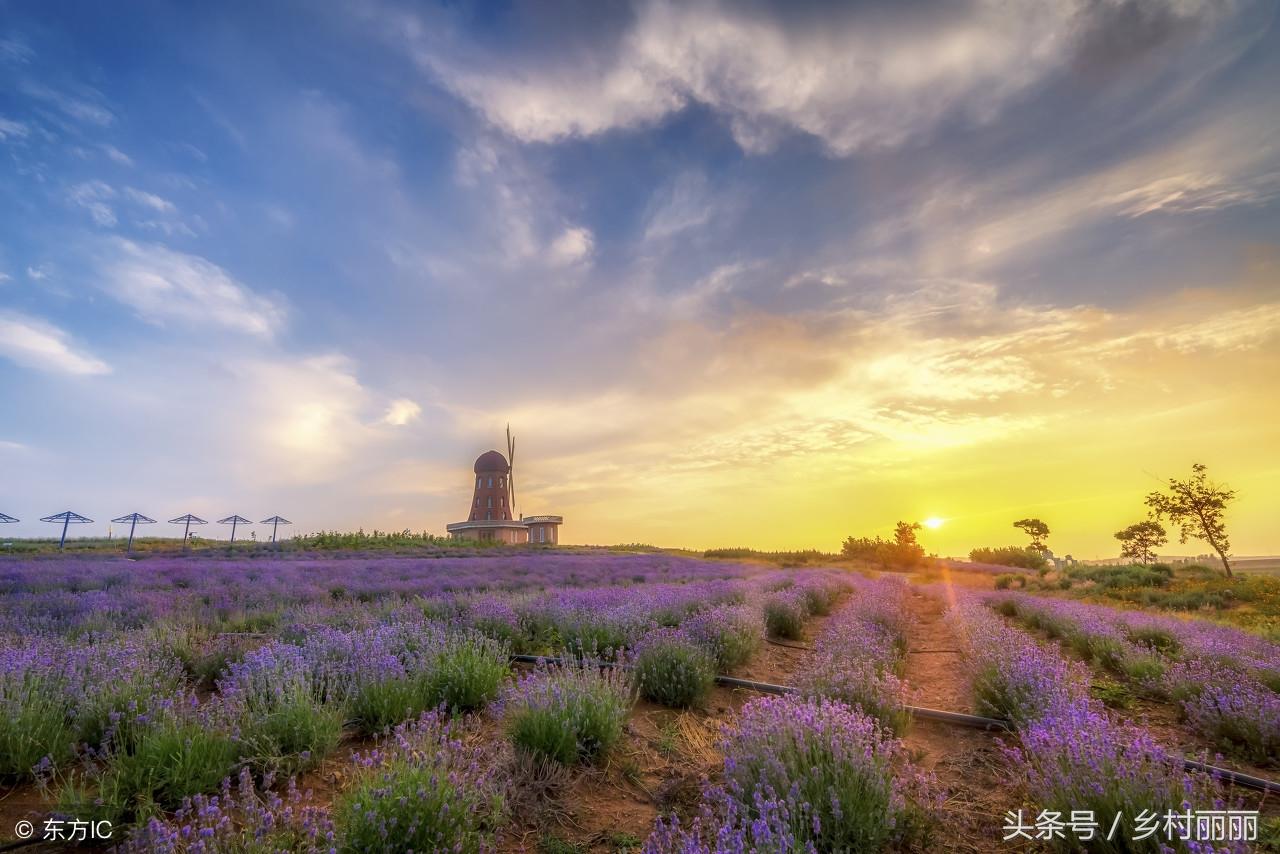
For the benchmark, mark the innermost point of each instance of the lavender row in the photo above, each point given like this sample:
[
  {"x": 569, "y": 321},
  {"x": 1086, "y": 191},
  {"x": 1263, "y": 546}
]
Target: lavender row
[
  {"x": 859, "y": 655},
  {"x": 806, "y": 775},
  {"x": 78, "y": 597},
  {"x": 1071, "y": 756},
  {"x": 1225, "y": 681}
]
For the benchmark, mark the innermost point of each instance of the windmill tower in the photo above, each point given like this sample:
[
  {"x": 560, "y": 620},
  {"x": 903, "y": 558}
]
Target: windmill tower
[{"x": 492, "y": 514}]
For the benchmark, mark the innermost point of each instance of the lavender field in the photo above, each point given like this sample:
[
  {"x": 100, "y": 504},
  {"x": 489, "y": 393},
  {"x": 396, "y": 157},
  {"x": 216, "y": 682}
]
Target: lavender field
[{"x": 373, "y": 704}]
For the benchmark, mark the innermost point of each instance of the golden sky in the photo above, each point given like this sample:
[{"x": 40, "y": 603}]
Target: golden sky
[{"x": 763, "y": 274}]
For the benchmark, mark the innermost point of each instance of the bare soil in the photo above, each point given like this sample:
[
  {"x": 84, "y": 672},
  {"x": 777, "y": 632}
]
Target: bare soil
[{"x": 967, "y": 763}]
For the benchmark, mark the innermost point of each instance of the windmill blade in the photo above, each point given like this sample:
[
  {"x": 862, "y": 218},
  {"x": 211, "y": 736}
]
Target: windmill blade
[{"x": 511, "y": 463}]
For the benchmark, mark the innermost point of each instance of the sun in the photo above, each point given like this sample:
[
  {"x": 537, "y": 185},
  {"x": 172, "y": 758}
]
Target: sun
[{"x": 933, "y": 522}]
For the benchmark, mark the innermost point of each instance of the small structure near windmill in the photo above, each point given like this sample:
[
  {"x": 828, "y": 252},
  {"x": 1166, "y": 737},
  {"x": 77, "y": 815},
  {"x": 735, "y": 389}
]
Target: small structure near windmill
[
  {"x": 275, "y": 522},
  {"x": 492, "y": 515},
  {"x": 66, "y": 518},
  {"x": 134, "y": 520}
]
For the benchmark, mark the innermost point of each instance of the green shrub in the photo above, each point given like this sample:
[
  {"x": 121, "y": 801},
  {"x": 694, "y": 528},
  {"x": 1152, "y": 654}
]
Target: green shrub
[
  {"x": 467, "y": 673},
  {"x": 175, "y": 756},
  {"x": 837, "y": 768},
  {"x": 1006, "y": 607},
  {"x": 673, "y": 670},
  {"x": 731, "y": 633},
  {"x": 784, "y": 615},
  {"x": 1159, "y": 639},
  {"x": 383, "y": 703},
  {"x": 291, "y": 734},
  {"x": 569, "y": 713},
  {"x": 35, "y": 722},
  {"x": 1009, "y": 556},
  {"x": 427, "y": 791},
  {"x": 1145, "y": 669}
]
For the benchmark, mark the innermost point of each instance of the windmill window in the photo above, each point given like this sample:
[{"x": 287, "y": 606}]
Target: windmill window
[
  {"x": 478, "y": 482},
  {"x": 488, "y": 516},
  {"x": 490, "y": 500},
  {"x": 491, "y": 483}
]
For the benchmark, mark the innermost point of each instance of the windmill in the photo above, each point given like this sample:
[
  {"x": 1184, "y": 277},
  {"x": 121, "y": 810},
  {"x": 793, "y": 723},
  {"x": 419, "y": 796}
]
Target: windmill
[
  {"x": 274, "y": 522},
  {"x": 233, "y": 521},
  {"x": 66, "y": 518},
  {"x": 187, "y": 520},
  {"x": 134, "y": 520},
  {"x": 511, "y": 468}
]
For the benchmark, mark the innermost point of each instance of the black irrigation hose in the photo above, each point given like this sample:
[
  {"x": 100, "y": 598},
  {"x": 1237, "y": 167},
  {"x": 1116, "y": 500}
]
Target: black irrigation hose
[
  {"x": 960, "y": 719},
  {"x": 1237, "y": 777},
  {"x": 788, "y": 645}
]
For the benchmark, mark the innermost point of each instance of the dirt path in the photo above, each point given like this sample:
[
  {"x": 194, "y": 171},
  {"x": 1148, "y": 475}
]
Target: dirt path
[{"x": 966, "y": 762}]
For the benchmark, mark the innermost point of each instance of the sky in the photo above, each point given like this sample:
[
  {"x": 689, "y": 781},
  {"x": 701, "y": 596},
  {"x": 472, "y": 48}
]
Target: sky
[{"x": 737, "y": 274}]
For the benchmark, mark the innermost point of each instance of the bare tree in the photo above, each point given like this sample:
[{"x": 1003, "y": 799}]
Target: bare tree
[
  {"x": 1035, "y": 529},
  {"x": 1139, "y": 542},
  {"x": 1196, "y": 505}
]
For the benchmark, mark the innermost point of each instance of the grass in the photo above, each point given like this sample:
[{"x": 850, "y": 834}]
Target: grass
[
  {"x": 174, "y": 758},
  {"x": 1249, "y": 600}
]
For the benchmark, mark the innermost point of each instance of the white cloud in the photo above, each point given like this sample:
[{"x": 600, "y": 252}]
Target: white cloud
[
  {"x": 117, "y": 155},
  {"x": 686, "y": 203},
  {"x": 80, "y": 108},
  {"x": 12, "y": 50},
  {"x": 518, "y": 209},
  {"x": 93, "y": 197},
  {"x": 305, "y": 416},
  {"x": 10, "y": 129},
  {"x": 163, "y": 285},
  {"x": 38, "y": 274},
  {"x": 857, "y": 82},
  {"x": 150, "y": 200},
  {"x": 1192, "y": 192},
  {"x": 5, "y": 277},
  {"x": 401, "y": 412},
  {"x": 33, "y": 342},
  {"x": 573, "y": 245}
]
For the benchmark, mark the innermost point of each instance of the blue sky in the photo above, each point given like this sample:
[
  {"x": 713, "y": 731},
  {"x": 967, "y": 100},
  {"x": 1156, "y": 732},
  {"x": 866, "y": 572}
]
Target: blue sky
[{"x": 261, "y": 258}]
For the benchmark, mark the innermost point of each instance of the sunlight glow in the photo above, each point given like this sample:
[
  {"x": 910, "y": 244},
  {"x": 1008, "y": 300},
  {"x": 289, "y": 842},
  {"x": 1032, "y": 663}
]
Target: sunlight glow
[{"x": 933, "y": 522}]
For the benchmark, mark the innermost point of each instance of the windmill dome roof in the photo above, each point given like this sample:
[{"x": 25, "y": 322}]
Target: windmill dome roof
[{"x": 491, "y": 461}]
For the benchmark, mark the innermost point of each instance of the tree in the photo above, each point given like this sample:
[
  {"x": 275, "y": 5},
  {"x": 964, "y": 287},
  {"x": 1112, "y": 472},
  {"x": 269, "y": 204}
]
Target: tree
[
  {"x": 1196, "y": 505},
  {"x": 1139, "y": 542},
  {"x": 1035, "y": 529},
  {"x": 902, "y": 550}
]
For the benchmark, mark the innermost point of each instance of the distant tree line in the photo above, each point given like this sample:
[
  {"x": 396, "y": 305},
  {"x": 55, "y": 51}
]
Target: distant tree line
[
  {"x": 1195, "y": 506},
  {"x": 903, "y": 551}
]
